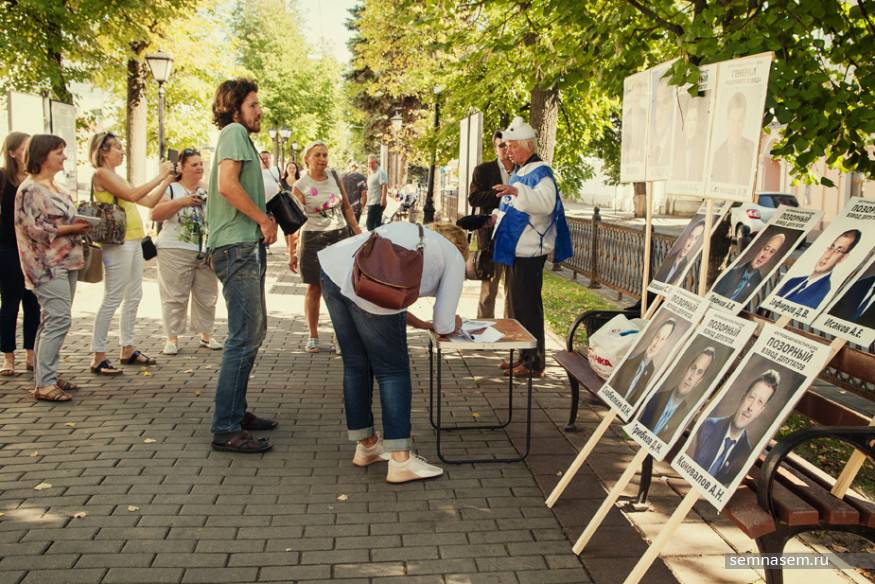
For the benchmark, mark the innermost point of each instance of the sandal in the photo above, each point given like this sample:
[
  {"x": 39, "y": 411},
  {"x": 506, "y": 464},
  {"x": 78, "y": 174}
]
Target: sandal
[
  {"x": 7, "y": 371},
  {"x": 253, "y": 422},
  {"x": 312, "y": 345},
  {"x": 138, "y": 358},
  {"x": 243, "y": 443},
  {"x": 212, "y": 344},
  {"x": 66, "y": 385},
  {"x": 105, "y": 368},
  {"x": 53, "y": 394}
]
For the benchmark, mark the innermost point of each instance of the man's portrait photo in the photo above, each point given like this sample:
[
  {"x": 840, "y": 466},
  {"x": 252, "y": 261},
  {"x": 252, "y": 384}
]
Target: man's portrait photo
[
  {"x": 635, "y": 372},
  {"x": 661, "y": 122},
  {"x": 810, "y": 290},
  {"x": 734, "y": 159},
  {"x": 682, "y": 253},
  {"x": 857, "y": 303},
  {"x": 683, "y": 387},
  {"x": 757, "y": 262}
]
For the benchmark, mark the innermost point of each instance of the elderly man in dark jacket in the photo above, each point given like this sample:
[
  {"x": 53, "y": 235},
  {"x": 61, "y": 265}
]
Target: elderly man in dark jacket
[{"x": 482, "y": 197}]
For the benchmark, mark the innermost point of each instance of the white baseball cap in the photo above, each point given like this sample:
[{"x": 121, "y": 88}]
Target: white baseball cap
[{"x": 518, "y": 130}]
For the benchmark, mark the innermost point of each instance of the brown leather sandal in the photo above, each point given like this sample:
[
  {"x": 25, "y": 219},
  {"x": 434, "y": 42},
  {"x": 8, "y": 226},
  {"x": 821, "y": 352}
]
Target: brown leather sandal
[{"x": 53, "y": 394}]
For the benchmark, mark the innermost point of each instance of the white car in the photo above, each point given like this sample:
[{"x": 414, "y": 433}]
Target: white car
[{"x": 748, "y": 219}]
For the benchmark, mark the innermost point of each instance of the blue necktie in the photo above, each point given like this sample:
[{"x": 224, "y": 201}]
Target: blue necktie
[
  {"x": 728, "y": 443},
  {"x": 748, "y": 274}
]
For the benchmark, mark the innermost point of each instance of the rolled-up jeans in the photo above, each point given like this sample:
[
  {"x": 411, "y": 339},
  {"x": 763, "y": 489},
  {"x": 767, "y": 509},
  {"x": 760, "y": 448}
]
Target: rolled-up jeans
[
  {"x": 56, "y": 300},
  {"x": 241, "y": 268},
  {"x": 372, "y": 345}
]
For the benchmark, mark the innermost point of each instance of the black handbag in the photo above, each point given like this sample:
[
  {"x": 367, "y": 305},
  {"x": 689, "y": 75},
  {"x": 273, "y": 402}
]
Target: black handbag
[
  {"x": 287, "y": 211},
  {"x": 149, "y": 249}
]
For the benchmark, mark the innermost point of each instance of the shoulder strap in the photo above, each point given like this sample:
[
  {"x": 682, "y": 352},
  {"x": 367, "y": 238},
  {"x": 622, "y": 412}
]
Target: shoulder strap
[
  {"x": 170, "y": 186},
  {"x": 91, "y": 194},
  {"x": 421, "y": 245}
]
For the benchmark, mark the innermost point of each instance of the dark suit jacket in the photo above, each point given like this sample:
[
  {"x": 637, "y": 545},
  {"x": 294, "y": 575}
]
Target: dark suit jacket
[
  {"x": 654, "y": 409},
  {"x": 482, "y": 197},
  {"x": 665, "y": 268},
  {"x": 850, "y": 300},
  {"x": 627, "y": 372},
  {"x": 709, "y": 441},
  {"x": 811, "y": 296},
  {"x": 728, "y": 283}
]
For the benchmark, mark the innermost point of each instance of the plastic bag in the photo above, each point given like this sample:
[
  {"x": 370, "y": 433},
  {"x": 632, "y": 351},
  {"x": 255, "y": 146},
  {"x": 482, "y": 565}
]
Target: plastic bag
[{"x": 609, "y": 344}]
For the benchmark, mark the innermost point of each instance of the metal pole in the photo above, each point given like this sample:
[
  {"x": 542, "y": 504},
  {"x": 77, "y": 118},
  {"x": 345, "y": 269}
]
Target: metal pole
[
  {"x": 428, "y": 209},
  {"x": 596, "y": 219},
  {"x": 160, "y": 120},
  {"x": 276, "y": 146}
]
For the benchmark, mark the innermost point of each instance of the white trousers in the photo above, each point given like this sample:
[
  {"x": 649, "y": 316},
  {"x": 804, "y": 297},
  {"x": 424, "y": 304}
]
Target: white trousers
[
  {"x": 123, "y": 286},
  {"x": 182, "y": 274}
]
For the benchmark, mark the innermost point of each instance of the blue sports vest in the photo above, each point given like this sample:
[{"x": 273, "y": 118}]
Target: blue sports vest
[{"x": 515, "y": 222}]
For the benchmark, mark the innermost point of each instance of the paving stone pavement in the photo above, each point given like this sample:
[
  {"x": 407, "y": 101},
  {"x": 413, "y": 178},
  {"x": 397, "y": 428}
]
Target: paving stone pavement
[{"x": 120, "y": 486}]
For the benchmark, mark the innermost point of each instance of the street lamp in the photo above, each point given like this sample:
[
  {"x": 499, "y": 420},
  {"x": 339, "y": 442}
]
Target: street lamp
[
  {"x": 428, "y": 208},
  {"x": 161, "y": 65},
  {"x": 285, "y": 134},
  {"x": 274, "y": 136},
  {"x": 295, "y": 147},
  {"x": 397, "y": 121}
]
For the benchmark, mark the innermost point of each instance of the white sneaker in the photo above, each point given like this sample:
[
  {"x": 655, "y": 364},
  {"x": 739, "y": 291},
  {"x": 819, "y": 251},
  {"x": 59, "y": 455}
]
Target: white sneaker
[
  {"x": 212, "y": 344},
  {"x": 312, "y": 345},
  {"x": 365, "y": 455},
  {"x": 170, "y": 348},
  {"x": 413, "y": 469}
]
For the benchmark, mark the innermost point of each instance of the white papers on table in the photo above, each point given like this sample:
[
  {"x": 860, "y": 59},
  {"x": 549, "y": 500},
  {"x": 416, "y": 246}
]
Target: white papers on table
[{"x": 477, "y": 331}]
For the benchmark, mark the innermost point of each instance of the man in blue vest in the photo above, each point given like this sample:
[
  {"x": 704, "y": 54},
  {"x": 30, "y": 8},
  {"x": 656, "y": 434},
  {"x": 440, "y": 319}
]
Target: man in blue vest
[{"x": 530, "y": 225}]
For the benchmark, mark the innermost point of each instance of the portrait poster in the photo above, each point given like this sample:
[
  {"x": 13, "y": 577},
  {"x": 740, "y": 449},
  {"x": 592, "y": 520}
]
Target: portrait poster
[
  {"x": 750, "y": 271},
  {"x": 684, "y": 252},
  {"x": 692, "y": 123},
  {"x": 737, "y": 123},
  {"x": 661, "y": 123},
  {"x": 696, "y": 372},
  {"x": 808, "y": 286},
  {"x": 633, "y": 140},
  {"x": 851, "y": 316},
  {"x": 745, "y": 414},
  {"x": 652, "y": 353}
]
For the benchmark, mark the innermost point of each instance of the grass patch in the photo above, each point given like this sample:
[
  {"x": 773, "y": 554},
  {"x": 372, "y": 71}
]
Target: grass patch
[{"x": 565, "y": 300}]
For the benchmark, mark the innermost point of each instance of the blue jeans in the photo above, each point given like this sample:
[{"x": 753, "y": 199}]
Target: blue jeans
[
  {"x": 241, "y": 268},
  {"x": 372, "y": 345}
]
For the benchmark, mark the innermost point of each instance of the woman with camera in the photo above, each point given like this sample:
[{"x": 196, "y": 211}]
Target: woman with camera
[
  {"x": 50, "y": 247},
  {"x": 182, "y": 270},
  {"x": 122, "y": 263},
  {"x": 329, "y": 220}
]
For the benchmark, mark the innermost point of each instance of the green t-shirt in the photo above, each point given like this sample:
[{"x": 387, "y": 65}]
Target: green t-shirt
[{"x": 226, "y": 224}]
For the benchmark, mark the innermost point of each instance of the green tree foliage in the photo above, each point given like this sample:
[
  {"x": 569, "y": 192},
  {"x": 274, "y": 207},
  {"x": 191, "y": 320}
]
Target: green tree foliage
[
  {"x": 298, "y": 86},
  {"x": 47, "y": 44},
  {"x": 500, "y": 56}
]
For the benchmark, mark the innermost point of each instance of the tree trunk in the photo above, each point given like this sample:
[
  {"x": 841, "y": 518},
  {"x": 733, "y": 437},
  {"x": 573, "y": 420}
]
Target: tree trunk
[
  {"x": 544, "y": 118},
  {"x": 136, "y": 116},
  {"x": 59, "y": 80}
]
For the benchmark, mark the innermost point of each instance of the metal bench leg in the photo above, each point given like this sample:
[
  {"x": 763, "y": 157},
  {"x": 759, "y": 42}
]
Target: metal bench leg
[
  {"x": 571, "y": 426},
  {"x": 773, "y": 543},
  {"x": 639, "y": 503}
]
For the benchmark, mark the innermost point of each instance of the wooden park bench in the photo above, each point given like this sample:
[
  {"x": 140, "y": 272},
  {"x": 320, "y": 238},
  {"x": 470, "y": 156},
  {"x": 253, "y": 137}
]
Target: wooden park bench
[{"x": 783, "y": 495}]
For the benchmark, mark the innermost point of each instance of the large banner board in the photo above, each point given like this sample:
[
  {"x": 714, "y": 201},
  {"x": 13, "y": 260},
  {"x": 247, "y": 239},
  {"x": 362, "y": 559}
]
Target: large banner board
[
  {"x": 633, "y": 148},
  {"x": 753, "y": 268},
  {"x": 652, "y": 352},
  {"x": 692, "y": 124},
  {"x": 741, "y": 419},
  {"x": 808, "y": 286}
]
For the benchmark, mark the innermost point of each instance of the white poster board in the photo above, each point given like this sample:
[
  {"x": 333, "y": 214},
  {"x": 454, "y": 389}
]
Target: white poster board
[
  {"x": 27, "y": 113},
  {"x": 737, "y": 122},
  {"x": 700, "y": 366},
  {"x": 633, "y": 148},
  {"x": 63, "y": 124},
  {"x": 652, "y": 352},
  {"x": 661, "y": 123},
  {"x": 683, "y": 254},
  {"x": 746, "y": 413},
  {"x": 851, "y": 316},
  {"x": 750, "y": 271},
  {"x": 470, "y": 155},
  {"x": 692, "y": 123},
  {"x": 817, "y": 275}
]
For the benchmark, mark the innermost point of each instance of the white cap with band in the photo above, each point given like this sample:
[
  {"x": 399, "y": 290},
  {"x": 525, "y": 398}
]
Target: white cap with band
[{"x": 518, "y": 130}]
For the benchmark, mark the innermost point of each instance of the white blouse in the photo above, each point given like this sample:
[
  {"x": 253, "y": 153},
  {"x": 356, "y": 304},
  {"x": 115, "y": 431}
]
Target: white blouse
[{"x": 443, "y": 272}]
